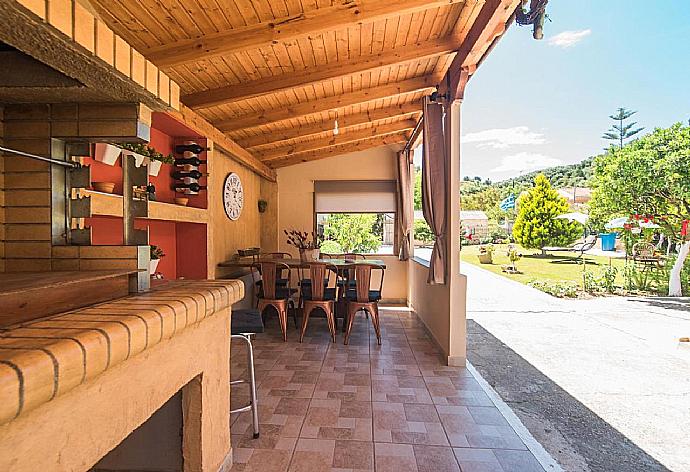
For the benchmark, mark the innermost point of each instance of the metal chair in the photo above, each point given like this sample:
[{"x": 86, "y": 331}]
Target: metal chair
[
  {"x": 243, "y": 325},
  {"x": 270, "y": 294},
  {"x": 318, "y": 295},
  {"x": 362, "y": 298}
]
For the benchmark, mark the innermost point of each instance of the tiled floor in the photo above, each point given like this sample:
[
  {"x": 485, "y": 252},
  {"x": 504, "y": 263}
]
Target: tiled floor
[{"x": 393, "y": 407}]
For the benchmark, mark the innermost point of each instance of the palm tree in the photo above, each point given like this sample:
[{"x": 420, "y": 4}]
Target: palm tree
[{"x": 619, "y": 131}]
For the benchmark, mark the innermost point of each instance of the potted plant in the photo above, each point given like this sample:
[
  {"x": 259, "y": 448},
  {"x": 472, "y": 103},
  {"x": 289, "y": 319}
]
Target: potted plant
[
  {"x": 145, "y": 154},
  {"x": 309, "y": 249},
  {"x": 263, "y": 204},
  {"x": 156, "y": 255},
  {"x": 486, "y": 252},
  {"x": 106, "y": 153}
]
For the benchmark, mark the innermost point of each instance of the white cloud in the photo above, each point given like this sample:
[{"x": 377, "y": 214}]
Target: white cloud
[
  {"x": 568, "y": 39},
  {"x": 503, "y": 138},
  {"x": 526, "y": 162}
]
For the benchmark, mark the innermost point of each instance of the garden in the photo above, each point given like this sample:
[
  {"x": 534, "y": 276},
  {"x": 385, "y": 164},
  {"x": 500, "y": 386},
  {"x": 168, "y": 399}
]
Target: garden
[{"x": 640, "y": 196}]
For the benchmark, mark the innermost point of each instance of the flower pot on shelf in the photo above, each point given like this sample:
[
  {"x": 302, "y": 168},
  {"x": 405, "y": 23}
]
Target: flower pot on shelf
[
  {"x": 139, "y": 159},
  {"x": 182, "y": 201},
  {"x": 104, "y": 187},
  {"x": 153, "y": 266},
  {"x": 107, "y": 153},
  {"x": 155, "y": 167}
]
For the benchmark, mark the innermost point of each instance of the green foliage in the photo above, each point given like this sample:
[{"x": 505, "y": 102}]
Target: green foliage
[
  {"x": 156, "y": 252},
  {"x": 535, "y": 225},
  {"x": 417, "y": 189},
  {"x": 331, "y": 247},
  {"x": 487, "y": 200},
  {"x": 557, "y": 289},
  {"x": 148, "y": 151},
  {"x": 620, "y": 131},
  {"x": 572, "y": 175},
  {"x": 422, "y": 232},
  {"x": 604, "y": 282},
  {"x": 354, "y": 232},
  {"x": 649, "y": 176}
]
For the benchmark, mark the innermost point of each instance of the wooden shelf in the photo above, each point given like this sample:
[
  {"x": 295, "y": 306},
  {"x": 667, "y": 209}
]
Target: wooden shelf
[{"x": 106, "y": 204}]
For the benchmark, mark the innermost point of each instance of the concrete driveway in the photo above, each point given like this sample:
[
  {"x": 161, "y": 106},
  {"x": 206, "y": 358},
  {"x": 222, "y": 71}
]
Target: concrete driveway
[{"x": 603, "y": 383}]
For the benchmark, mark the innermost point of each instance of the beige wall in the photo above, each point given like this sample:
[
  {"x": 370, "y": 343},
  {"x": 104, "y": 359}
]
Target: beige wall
[
  {"x": 225, "y": 236},
  {"x": 296, "y": 200},
  {"x": 269, "y": 219}
]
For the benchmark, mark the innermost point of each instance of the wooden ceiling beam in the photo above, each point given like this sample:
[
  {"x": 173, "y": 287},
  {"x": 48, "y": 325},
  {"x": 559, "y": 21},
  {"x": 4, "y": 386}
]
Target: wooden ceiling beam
[
  {"x": 312, "y": 75},
  {"x": 342, "y": 138},
  {"x": 220, "y": 140},
  {"x": 412, "y": 110},
  {"x": 489, "y": 25},
  {"x": 339, "y": 149},
  {"x": 343, "y": 14},
  {"x": 263, "y": 117}
]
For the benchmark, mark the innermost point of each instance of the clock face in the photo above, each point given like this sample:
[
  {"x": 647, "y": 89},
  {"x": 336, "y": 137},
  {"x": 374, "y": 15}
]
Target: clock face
[{"x": 233, "y": 196}]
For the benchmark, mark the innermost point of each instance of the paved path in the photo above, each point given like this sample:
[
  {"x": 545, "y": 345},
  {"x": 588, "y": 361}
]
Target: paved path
[{"x": 603, "y": 383}]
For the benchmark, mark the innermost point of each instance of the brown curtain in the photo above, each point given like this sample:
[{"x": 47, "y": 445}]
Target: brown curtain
[
  {"x": 404, "y": 204},
  {"x": 434, "y": 193}
]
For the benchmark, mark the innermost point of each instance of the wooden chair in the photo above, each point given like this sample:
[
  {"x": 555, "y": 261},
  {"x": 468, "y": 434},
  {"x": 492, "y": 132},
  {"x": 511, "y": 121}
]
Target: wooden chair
[
  {"x": 319, "y": 295},
  {"x": 362, "y": 298},
  {"x": 271, "y": 294}
]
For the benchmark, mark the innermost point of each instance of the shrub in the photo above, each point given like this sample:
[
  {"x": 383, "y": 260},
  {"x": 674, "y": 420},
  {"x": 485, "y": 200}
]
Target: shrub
[
  {"x": 604, "y": 282},
  {"x": 557, "y": 289},
  {"x": 331, "y": 247},
  {"x": 536, "y": 225},
  {"x": 422, "y": 232}
]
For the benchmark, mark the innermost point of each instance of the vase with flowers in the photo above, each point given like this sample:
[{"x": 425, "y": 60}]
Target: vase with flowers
[{"x": 308, "y": 245}]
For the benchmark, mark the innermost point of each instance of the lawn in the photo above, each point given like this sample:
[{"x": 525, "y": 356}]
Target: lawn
[{"x": 534, "y": 266}]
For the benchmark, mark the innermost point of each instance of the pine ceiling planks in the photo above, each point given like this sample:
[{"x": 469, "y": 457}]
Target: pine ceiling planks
[{"x": 276, "y": 73}]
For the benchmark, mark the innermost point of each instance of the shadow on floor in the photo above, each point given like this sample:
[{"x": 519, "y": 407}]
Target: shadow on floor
[
  {"x": 574, "y": 435},
  {"x": 667, "y": 303}
]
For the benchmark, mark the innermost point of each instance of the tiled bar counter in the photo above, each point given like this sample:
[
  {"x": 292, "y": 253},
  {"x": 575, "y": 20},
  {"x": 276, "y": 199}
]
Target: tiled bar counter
[{"x": 73, "y": 386}]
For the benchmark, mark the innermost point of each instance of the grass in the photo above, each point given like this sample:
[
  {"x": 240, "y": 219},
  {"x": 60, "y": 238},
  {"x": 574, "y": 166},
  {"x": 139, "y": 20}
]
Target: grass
[{"x": 534, "y": 266}]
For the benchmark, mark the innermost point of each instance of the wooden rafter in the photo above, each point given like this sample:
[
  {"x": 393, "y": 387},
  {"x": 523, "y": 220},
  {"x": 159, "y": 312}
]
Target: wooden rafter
[
  {"x": 416, "y": 84},
  {"x": 287, "y": 81},
  {"x": 487, "y": 27},
  {"x": 406, "y": 110},
  {"x": 339, "y": 149},
  {"x": 313, "y": 22},
  {"x": 237, "y": 152},
  {"x": 343, "y": 137}
]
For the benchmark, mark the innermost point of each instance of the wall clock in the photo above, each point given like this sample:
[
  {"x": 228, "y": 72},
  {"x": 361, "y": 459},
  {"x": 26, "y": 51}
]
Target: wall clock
[{"x": 233, "y": 196}]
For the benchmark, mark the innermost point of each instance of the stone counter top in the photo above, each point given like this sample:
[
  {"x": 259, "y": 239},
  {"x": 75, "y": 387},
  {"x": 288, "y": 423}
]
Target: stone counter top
[{"x": 45, "y": 358}]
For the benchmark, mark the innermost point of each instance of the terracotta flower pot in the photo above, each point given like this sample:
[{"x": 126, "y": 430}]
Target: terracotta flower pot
[
  {"x": 181, "y": 201},
  {"x": 105, "y": 187}
]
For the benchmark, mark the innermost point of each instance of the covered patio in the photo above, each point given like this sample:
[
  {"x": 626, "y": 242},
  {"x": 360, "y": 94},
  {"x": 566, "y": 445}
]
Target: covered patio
[{"x": 147, "y": 147}]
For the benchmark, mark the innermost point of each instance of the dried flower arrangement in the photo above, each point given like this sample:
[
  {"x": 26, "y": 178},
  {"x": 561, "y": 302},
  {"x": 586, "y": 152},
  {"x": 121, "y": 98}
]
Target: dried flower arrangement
[{"x": 301, "y": 240}]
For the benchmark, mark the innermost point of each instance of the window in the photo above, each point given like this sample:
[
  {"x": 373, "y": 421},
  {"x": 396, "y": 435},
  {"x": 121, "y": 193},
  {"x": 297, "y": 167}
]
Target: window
[{"x": 356, "y": 216}]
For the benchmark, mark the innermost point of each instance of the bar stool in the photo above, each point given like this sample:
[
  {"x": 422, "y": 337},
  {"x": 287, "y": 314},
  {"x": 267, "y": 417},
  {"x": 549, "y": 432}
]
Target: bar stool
[{"x": 244, "y": 324}]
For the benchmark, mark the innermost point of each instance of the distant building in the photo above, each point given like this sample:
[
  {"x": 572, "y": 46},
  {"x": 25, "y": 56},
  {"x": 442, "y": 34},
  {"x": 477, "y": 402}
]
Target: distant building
[
  {"x": 576, "y": 194},
  {"x": 475, "y": 222}
]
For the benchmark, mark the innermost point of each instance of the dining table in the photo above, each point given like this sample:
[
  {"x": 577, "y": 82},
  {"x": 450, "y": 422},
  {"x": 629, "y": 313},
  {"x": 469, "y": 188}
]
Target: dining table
[{"x": 296, "y": 263}]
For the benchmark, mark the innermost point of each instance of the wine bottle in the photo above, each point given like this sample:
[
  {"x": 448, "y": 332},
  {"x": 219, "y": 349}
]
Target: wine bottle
[
  {"x": 194, "y": 161},
  {"x": 194, "y": 187},
  {"x": 193, "y": 174},
  {"x": 192, "y": 147}
]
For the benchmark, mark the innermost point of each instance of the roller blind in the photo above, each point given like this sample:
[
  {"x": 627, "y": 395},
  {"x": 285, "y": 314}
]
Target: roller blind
[{"x": 354, "y": 196}]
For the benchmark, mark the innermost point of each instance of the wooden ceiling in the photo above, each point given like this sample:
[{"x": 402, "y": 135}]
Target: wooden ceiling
[{"x": 274, "y": 75}]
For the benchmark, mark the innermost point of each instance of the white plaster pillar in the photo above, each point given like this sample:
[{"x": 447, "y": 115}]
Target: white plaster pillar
[{"x": 457, "y": 354}]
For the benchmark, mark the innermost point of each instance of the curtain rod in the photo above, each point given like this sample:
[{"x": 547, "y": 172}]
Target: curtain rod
[
  {"x": 415, "y": 133},
  {"x": 40, "y": 158}
]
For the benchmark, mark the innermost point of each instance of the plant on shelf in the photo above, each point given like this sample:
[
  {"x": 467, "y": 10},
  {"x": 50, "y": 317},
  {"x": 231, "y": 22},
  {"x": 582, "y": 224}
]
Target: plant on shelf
[
  {"x": 307, "y": 244},
  {"x": 147, "y": 151},
  {"x": 486, "y": 253},
  {"x": 156, "y": 255}
]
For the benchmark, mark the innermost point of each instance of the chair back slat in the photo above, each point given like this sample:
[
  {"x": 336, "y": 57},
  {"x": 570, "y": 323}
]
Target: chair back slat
[
  {"x": 317, "y": 273},
  {"x": 362, "y": 281},
  {"x": 268, "y": 275}
]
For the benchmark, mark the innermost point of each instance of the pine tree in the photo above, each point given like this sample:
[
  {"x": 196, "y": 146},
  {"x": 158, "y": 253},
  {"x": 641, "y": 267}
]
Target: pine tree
[
  {"x": 536, "y": 225},
  {"x": 619, "y": 131}
]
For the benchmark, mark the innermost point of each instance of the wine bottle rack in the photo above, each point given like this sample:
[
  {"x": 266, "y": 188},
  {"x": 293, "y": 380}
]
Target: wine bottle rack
[{"x": 186, "y": 173}]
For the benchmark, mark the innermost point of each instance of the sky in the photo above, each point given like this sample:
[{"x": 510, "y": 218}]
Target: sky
[{"x": 535, "y": 104}]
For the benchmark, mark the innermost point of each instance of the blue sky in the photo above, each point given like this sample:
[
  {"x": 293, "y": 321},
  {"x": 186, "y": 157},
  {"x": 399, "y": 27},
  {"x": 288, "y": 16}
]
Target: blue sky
[{"x": 534, "y": 104}]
